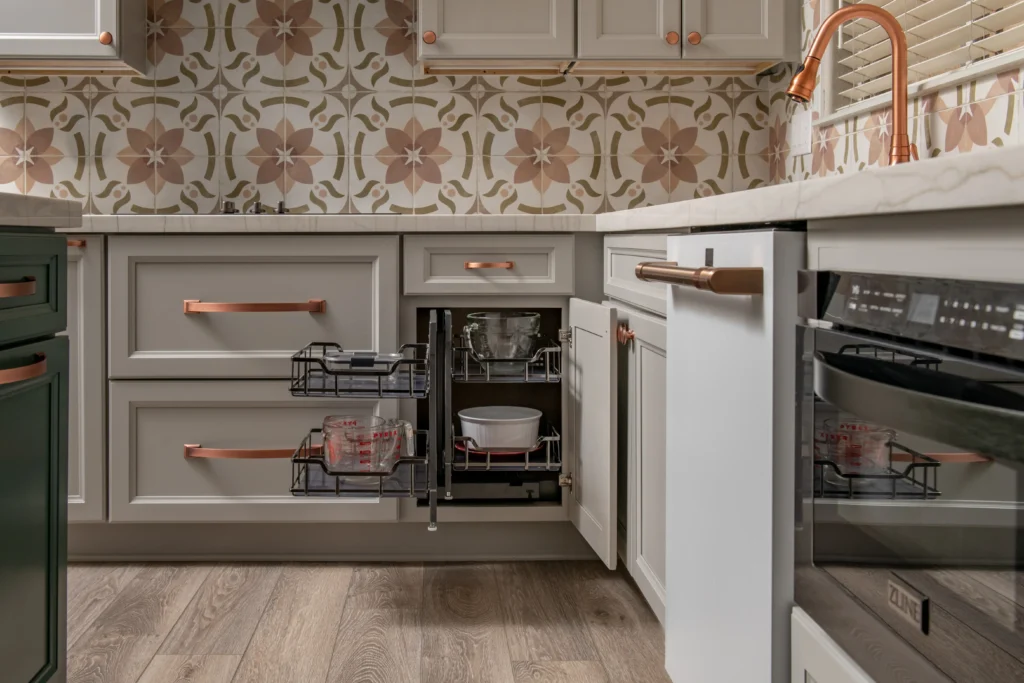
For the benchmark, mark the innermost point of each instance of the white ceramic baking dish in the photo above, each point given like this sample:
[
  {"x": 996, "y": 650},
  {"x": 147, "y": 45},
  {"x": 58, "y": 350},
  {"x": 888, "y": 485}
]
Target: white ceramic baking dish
[{"x": 504, "y": 427}]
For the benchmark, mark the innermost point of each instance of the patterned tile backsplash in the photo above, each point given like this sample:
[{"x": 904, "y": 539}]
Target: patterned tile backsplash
[{"x": 317, "y": 103}]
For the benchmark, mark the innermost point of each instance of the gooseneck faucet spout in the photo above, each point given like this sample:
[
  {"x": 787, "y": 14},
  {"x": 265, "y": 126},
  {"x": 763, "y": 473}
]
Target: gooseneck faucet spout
[{"x": 802, "y": 86}]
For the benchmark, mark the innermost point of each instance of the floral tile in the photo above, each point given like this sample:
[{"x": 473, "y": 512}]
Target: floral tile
[
  {"x": 325, "y": 192},
  {"x": 188, "y": 61},
  {"x": 824, "y": 141},
  {"x": 11, "y": 83},
  {"x": 194, "y": 191},
  {"x": 712, "y": 118},
  {"x": 325, "y": 115},
  {"x": 372, "y": 12},
  {"x": 12, "y": 174},
  {"x": 505, "y": 120},
  {"x": 382, "y": 57},
  {"x": 574, "y": 185},
  {"x": 750, "y": 171},
  {"x": 382, "y": 124},
  {"x": 195, "y": 118},
  {"x": 242, "y": 119},
  {"x": 119, "y": 184},
  {"x": 965, "y": 127},
  {"x": 632, "y": 182},
  {"x": 116, "y": 118},
  {"x": 774, "y": 155},
  {"x": 591, "y": 84},
  {"x": 60, "y": 123},
  {"x": 637, "y": 83},
  {"x": 199, "y": 13},
  {"x": 252, "y": 59},
  {"x": 318, "y": 59},
  {"x": 753, "y": 116},
  {"x": 35, "y": 139},
  {"x": 455, "y": 191},
  {"x": 59, "y": 177},
  {"x": 713, "y": 176},
  {"x": 381, "y": 184},
  {"x": 454, "y": 116},
  {"x": 431, "y": 83},
  {"x": 516, "y": 84},
  {"x": 510, "y": 185},
  {"x": 330, "y": 13},
  {"x": 629, "y": 114},
  {"x": 577, "y": 124},
  {"x": 242, "y": 182},
  {"x": 244, "y": 12}
]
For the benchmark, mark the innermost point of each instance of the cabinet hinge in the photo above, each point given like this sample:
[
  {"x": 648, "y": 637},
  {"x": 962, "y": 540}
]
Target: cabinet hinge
[
  {"x": 565, "y": 337},
  {"x": 565, "y": 481}
]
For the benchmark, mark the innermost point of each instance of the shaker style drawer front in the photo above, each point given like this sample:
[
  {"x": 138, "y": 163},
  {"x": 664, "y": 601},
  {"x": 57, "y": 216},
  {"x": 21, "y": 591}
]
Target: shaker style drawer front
[
  {"x": 198, "y": 307},
  {"x": 499, "y": 264},
  {"x": 220, "y": 452},
  {"x": 32, "y": 275},
  {"x": 622, "y": 253}
]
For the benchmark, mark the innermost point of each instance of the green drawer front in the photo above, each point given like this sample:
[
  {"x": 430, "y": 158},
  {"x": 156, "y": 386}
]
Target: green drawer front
[{"x": 33, "y": 286}]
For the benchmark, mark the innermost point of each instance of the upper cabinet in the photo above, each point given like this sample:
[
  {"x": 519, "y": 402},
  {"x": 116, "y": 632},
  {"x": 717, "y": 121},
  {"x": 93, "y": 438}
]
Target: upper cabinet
[
  {"x": 633, "y": 29},
  {"x": 74, "y": 35},
  {"x": 497, "y": 29},
  {"x": 736, "y": 29}
]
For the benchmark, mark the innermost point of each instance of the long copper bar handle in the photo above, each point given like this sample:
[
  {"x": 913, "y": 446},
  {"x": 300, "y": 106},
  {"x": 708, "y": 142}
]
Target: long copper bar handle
[
  {"x": 478, "y": 265},
  {"x": 717, "y": 280},
  {"x": 194, "y": 450},
  {"x": 197, "y": 306},
  {"x": 26, "y": 287},
  {"x": 30, "y": 371},
  {"x": 77, "y": 243}
]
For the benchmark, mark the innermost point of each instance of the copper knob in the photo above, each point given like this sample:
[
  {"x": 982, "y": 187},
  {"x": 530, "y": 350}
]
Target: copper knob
[
  {"x": 672, "y": 38},
  {"x": 429, "y": 37},
  {"x": 693, "y": 38},
  {"x": 106, "y": 38},
  {"x": 624, "y": 334}
]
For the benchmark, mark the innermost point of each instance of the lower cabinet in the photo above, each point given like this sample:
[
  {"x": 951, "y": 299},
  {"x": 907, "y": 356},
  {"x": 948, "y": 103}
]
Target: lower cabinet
[
  {"x": 816, "y": 658},
  {"x": 642, "y": 418},
  {"x": 219, "y": 451}
]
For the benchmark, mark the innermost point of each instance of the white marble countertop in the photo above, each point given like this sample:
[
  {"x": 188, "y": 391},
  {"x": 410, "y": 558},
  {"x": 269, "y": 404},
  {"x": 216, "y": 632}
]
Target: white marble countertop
[
  {"x": 17, "y": 210},
  {"x": 977, "y": 180}
]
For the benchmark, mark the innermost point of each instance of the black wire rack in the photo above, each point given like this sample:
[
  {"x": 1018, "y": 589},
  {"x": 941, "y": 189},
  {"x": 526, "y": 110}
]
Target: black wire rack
[
  {"x": 543, "y": 456},
  {"x": 543, "y": 366},
  {"x": 314, "y": 375},
  {"x": 918, "y": 480}
]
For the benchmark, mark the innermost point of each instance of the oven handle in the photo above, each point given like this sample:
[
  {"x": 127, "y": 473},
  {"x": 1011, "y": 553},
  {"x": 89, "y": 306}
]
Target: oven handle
[
  {"x": 975, "y": 427},
  {"x": 716, "y": 280}
]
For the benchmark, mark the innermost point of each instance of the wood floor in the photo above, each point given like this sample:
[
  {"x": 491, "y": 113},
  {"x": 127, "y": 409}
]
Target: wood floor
[{"x": 542, "y": 622}]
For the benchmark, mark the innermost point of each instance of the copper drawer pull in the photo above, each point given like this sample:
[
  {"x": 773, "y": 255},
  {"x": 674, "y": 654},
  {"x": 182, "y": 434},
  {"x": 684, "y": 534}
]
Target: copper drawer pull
[
  {"x": 479, "y": 265},
  {"x": 77, "y": 243},
  {"x": 672, "y": 38},
  {"x": 311, "y": 306},
  {"x": 717, "y": 280},
  {"x": 9, "y": 290},
  {"x": 624, "y": 334},
  {"x": 106, "y": 38},
  {"x": 194, "y": 450},
  {"x": 31, "y": 371}
]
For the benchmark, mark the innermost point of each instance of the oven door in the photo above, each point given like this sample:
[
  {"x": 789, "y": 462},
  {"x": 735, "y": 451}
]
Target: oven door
[{"x": 910, "y": 511}]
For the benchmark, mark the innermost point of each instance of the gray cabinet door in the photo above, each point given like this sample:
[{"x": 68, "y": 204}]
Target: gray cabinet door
[
  {"x": 737, "y": 29},
  {"x": 648, "y": 483},
  {"x": 592, "y": 430},
  {"x": 493, "y": 29},
  {"x": 153, "y": 334},
  {"x": 629, "y": 29},
  {"x": 87, "y": 382}
]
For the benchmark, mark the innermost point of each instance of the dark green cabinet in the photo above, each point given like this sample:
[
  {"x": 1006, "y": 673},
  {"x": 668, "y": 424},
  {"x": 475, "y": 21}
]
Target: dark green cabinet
[
  {"x": 33, "y": 510},
  {"x": 33, "y": 285}
]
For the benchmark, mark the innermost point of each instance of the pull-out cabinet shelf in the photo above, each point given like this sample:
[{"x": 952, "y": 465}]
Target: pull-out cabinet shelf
[
  {"x": 407, "y": 478},
  {"x": 315, "y": 374}
]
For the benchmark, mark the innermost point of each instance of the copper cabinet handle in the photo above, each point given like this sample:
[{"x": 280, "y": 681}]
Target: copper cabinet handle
[
  {"x": 717, "y": 280},
  {"x": 672, "y": 38},
  {"x": 30, "y": 371},
  {"x": 77, "y": 243},
  {"x": 693, "y": 38},
  {"x": 624, "y": 334},
  {"x": 429, "y": 37},
  {"x": 106, "y": 38},
  {"x": 26, "y": 287},
  {"x": 194, "y": 450},
  {"x": 479, "y": 265},
  {"x": 197, "y": 306}
]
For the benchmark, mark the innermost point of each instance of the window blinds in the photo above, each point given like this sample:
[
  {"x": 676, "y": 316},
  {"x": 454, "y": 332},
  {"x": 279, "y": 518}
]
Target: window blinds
[{"x": 942, "y": 35}]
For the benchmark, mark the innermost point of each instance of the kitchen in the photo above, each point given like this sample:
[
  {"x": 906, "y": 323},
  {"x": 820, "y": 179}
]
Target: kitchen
[{"x": 259, "y": 189}]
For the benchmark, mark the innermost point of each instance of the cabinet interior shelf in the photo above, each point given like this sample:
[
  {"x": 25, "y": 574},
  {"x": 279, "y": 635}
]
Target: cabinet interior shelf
[
  {"x": 543, "y": 367},
  {"x": 544, "y": 456}
]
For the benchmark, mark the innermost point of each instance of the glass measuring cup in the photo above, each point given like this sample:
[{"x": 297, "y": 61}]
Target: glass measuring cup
[
  {"x": 857, "y": 447},
  {"x": 365, "y": 443}
]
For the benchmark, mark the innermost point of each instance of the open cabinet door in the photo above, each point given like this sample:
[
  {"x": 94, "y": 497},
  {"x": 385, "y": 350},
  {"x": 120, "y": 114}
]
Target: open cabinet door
[{"x": 591, "y": 438}]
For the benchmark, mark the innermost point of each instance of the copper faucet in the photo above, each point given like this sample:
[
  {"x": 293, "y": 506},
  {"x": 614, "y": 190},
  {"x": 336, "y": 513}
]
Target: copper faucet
[{"x": 802, "y": 85}]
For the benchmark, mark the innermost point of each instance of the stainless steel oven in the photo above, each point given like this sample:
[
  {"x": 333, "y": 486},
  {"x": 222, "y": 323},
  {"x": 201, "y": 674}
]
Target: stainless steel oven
[{"x": 910, "y": 492}]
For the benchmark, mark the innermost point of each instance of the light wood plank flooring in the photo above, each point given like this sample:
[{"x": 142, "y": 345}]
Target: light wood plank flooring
[{"x": 529, "y": 622}]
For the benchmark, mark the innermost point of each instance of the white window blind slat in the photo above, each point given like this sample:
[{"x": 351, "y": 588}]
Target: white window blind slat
[{"x": 942, "y": 36}]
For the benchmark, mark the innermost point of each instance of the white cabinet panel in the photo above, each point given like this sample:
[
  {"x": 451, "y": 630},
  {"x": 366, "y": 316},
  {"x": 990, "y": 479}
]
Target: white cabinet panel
[
  {"x": 592, "y": 432},
  {"x": 737, "y": 29},
  {"x": 629, "y": 29},
  {"x": 817, "y": 658},
  {"x": 491, "y": 29}
]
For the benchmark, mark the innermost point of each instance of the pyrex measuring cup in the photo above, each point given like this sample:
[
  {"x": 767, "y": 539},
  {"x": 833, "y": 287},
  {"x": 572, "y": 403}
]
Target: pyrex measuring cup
[{"x": 365, "y": 443}]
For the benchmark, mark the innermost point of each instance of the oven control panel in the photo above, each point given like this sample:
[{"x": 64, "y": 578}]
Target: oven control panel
[{"x": 976, "y": 316}]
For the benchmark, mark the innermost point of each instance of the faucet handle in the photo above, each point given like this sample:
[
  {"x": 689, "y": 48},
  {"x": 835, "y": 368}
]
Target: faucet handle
[{"x": 913, "y": 151}]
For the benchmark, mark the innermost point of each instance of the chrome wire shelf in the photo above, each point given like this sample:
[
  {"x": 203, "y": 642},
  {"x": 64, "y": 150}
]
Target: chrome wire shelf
[
  {"x": 544, "y": 456},
  {"x": 407, "y": 478},
  {"x": 407, "y": 377},
  {"x": 543, "y": 367},
  {"x": 918, "y": 480}
]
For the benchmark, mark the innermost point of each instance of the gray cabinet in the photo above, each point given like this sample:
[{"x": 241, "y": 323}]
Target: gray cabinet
[
  {"x": 629, "y": 29},
  {"x": 497, "y": 29},
  {"x": 738, "y": 29},
  {"x": 78, "y": 34},
  {"x": 87, "y": 380}
]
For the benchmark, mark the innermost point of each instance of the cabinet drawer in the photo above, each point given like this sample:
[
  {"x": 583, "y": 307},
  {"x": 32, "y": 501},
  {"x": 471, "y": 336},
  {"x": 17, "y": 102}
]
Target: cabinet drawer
[
  {"x": 151, "y": 480},
  {"x": 151, "y": 277},
  {"x": 32, "y": 286},
  {"x": 498, "y": 264},
  {"x": 621, "y": 255}
]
